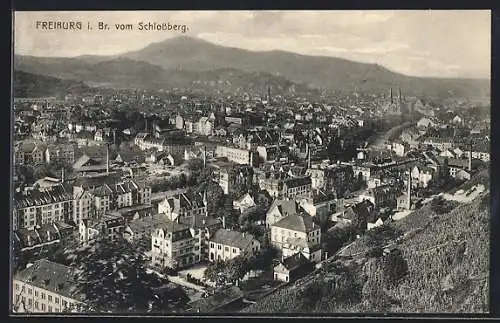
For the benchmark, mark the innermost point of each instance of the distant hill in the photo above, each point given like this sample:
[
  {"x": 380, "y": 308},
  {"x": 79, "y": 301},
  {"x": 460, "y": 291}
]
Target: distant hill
[
  {"x": 195, "y": 55},
  {"x": 447, "y": 257},
  {"x": 125, "y": 72},
  {"x": 32, "y": 85}
]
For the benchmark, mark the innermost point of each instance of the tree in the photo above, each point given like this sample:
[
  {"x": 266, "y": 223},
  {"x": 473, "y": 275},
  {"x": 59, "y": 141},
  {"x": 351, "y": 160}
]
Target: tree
[
  {"x": 113, "y": 277},
  {"x": 227, "y": 272}
]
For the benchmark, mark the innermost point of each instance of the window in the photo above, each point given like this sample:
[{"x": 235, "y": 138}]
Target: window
[
  {"x": 30, "y": 302},
  {"x": 65, "y": 303},
  {"x": 17, "y": 298},
  {"x": 43, "y": 307},
  {"x": 50, "y": 298},
  {"x": 36, "y": 305},
  {"x": 234, "y": 249},
  {"x": 219, "y": 247},
  {"x": 226, "y": 249},
  {"x": 17, "y": 286},
  {"x": 57, "y": 300},
  {"x": 43, "y": 295},
  {"x": 50, "y": 308},
  {"x": 30, "y": 291}
]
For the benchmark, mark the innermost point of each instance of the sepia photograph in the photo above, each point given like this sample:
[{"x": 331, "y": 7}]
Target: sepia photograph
[{"x": 186, "y": 163}]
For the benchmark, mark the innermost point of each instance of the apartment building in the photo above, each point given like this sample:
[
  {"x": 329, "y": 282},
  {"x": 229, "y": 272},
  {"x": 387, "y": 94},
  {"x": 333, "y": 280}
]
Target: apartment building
[
  {"x": 183, "y": 208},
  {"x": 173, "y": 245},
  {"x": 240, "y": 156},
  {"x": 95, "y": 195},
  {"x": 110, "y": 226},
  {"x": 38, "y": 206},
  {"x": 45, "y": 287},
  {"x": 297, "y": 187}
]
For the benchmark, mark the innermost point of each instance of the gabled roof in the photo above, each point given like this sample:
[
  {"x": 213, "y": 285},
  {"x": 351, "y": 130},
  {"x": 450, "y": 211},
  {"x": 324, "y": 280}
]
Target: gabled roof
[
  {"x": 233, "y": 238},
  {"x": 295, "y": 261},
  {"x": 285, "y": 207},
  {"x": 49, "y": 195},
  {"x": 297, "y": 181},
  {"x": 301, "y": 223},
  {"x": 50, "y": 276}
]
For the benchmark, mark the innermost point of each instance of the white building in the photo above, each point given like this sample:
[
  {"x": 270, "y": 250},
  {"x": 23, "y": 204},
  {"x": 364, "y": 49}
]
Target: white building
[
  {"x": 44, "y": 287},
  {"x": 226, "y": 244},
  {"x": 296, "y": 233}
]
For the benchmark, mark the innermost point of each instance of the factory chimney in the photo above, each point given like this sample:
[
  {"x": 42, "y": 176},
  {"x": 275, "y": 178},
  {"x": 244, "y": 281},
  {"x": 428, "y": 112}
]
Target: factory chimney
[
  {"x": 470, "y": 156},
  {"x": 408, "y": 201},
  {"x": 204, "y": 156},
  {"x": 107, "y": 159},
  {"x": 390, "y": 94}
]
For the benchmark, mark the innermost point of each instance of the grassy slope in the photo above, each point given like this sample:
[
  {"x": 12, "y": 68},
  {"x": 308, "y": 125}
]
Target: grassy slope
[{"x": 450, "y": 252}]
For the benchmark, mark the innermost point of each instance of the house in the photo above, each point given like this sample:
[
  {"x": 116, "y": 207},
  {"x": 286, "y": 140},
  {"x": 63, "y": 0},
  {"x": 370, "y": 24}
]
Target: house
[
  {"x": 320, "y": 206},
  {"x": 380, "y": 196},
  {"x": 400, "y": 148},
  {"x": 110, "y": 226},
  {"x": 297, "y": 233},
  {"x": 29, "y": 153},
  {"x": 204, "y": 126},
  {"x": 358, "y": 215},
  {"x": 60, "y": 153},
  {"x": 292, "y": 268},
  {"x": 226, "y": 244},
  {"x": 230, "y": 176},
  {"x": 174, "y": 246},
  {"x": 422, "y": 175},
  {"x": 297, "y": 187},
  {"x": 179, "y": 122},
  {"x": 244, "y": 203},
  {"x": 45, "y": 287},
  {"x": 280, "y": 209},
  {"x": 425, "y": 123},
  {"x": 41, "y": 236},
  {"x": 183, "y": 207}
]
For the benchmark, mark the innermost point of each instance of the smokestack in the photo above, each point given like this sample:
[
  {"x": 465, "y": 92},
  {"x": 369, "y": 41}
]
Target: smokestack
[
  {"x": 62, "y": 175},
  {"x": 251, "y": 158},
  {"x": 114, "y": 136},
  {"x": 204, "y": 156},
  {"x": 309, "y": 160},
  {"x": 470, "y": 157},
  {"x": 223, "y": 221},
  {"x": 107, "y": 159},
  {"x": 400, "y": 97},
  {"x": 146, "y": 126},
  {"x": 408, "y": 202},
  {"x": 390, "y": 91}
]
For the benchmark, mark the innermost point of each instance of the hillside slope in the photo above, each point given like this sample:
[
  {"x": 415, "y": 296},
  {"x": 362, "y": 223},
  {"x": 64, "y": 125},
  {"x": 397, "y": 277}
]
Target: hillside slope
[
  {"x": 125, "y": 72},
  {"x": 447, "y": 259},
  {"x": 33, "y": 85}
]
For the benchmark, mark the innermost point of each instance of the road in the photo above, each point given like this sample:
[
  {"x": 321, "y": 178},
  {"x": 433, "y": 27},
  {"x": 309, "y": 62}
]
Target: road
[{"x": 179, "y": 281}]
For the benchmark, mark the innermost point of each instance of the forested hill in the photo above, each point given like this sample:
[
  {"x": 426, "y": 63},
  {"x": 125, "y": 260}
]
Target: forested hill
[
  {"x": 33, "y": 85},
  {"x": 440, "y": 265}
]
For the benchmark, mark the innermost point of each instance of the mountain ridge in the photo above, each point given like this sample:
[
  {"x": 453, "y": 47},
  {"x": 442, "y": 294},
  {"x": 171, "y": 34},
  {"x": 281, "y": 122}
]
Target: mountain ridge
[{"x": 196, "y": 55}]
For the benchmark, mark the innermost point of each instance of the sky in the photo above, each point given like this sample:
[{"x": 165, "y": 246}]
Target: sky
[{"x": 444, "y": 43}]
